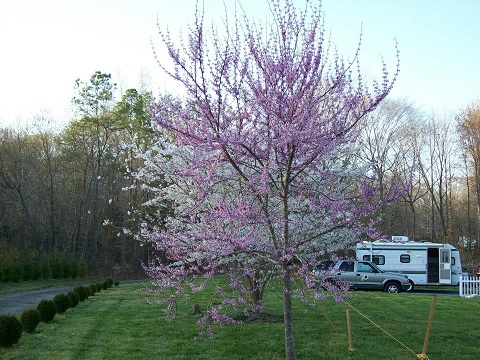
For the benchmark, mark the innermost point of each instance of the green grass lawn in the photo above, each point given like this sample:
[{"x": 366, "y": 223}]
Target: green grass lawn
[{"x": 118, "y": 323}]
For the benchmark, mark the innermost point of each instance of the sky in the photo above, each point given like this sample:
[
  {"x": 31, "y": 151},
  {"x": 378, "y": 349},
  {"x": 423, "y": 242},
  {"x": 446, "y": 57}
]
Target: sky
[{"x": 45, "y": 45}]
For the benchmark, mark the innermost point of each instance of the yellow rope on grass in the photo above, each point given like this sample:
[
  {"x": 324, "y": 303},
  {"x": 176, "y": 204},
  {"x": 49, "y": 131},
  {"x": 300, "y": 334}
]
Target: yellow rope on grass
[
  {"x": 420, "y": 356},
  {"x": 332, "y": 324}
]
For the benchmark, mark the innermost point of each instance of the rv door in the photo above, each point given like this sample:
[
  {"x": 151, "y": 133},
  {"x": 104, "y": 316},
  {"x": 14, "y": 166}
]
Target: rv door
[{"x": 445, "y": 266}]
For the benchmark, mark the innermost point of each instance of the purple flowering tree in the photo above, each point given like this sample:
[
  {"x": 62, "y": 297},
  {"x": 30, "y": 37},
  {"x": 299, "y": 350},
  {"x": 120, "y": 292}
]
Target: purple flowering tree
[{"x": 257, "y": 160}]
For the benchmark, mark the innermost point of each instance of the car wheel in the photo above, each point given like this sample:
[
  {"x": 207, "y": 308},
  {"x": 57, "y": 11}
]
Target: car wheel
[
  {"x": 392, "y": 287},
  {"x": 412, "y": 286}
]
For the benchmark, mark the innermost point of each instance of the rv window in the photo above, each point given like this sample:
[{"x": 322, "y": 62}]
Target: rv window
[
  {"x": 366, "y": 257},
  {"x": 378, "y": 259},
  {"x": 453, "y": 261},
  {"x": 404, "y": 258}
]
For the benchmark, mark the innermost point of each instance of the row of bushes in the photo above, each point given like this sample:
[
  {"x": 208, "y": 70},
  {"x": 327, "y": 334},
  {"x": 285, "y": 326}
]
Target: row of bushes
[
  {"x": 56, "y": 268},
  {"x": 11, "y": 327}
]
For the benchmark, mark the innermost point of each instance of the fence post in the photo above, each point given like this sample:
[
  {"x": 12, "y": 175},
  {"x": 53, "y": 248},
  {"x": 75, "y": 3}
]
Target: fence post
[
  {"x": 460, "y": 286},
  {"x": 429, "y": 328},
  {"x": 349, "y": 328}
]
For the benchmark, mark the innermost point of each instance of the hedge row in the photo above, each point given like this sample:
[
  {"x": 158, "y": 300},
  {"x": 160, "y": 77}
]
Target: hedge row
[
  {"x": 56, "y": 268},
  {"x": 11, "y": 327}
]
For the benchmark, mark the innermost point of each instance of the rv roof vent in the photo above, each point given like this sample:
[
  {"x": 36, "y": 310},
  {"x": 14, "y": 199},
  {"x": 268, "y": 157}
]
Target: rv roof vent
[{"x": 400, "y": 238}]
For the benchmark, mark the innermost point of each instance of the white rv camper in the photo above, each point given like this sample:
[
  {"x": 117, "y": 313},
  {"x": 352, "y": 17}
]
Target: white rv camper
[{"x": 425, "y": 263}]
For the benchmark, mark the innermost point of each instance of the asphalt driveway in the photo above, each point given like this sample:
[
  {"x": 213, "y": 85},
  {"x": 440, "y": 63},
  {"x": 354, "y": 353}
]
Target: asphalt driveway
[{"x": 13, "y": 304}]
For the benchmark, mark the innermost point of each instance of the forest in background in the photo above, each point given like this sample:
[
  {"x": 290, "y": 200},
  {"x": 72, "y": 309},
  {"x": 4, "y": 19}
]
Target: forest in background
[{"x": 70, "y": 199}]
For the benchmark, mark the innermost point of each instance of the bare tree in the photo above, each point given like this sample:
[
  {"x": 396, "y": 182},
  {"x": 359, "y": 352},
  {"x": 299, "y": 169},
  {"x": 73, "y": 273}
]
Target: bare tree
[
  {"x": 435, "y": 166},
  {"x": 468, "y": 130},
  {"x": 386, "y": 144}
]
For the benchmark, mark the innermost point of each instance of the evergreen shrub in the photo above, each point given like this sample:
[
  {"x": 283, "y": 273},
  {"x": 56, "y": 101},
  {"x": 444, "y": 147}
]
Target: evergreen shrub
[
  {"x": 56, "y": 266},
  {"x": 47, "y": 310},
  {"x": 27, "y": 271},
  {"x": 110, "y": 282},
  {"x": 37, "y": 271},
  {"x": 10, "y": 330},
  {"x": 93, "y": 289},
  {"x": 82, "y": 269},
  {"x": 74, "y": 266},
  {"x": 62, "y": 303},
  {"x": 74, "y": 298},
  {"x": 30, "y": 319},
  {"x": 81, "y": 291},
  {"x": 47, "y": 272},
  {"x": 105, "y": 285},
  {"x": 99, "y": 287},
  {"x": 87, "y": 290},
  {"x": 67, "y": 269},
  {"x": 15, "y": 273},
  {"x": 2, "y": 272},
  {"x": 116, "y": 283}
]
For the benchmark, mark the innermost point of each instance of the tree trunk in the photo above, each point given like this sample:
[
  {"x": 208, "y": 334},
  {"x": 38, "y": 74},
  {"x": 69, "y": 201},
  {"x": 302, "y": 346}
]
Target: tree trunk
[{"x": 287, "y": 314}]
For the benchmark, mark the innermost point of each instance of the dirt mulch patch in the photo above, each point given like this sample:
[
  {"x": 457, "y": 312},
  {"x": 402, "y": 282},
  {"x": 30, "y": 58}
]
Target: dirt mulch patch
[{"x": 260, "y": 318}]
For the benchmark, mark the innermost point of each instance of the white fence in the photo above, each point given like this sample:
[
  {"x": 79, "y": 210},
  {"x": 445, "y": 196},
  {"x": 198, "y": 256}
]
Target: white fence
[{"x": 469, "y": 286}]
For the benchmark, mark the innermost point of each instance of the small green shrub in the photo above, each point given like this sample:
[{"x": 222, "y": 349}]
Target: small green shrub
[
  {"x": 87, "y": 289},
  {"x": 14, "y": 272},
  {"x": 82, "y": 268},
  {"x": 30, "y": 319},
  {"x": 74, "y": 298},
  {"x": 110, "y": 282},
  {"x": 27, "y": 271},
  {"x": 46, "y": 271},
  {"x": 67, "y": 269},
  {"x": 116, "y": 283},
  {"x": 10, "y": 330},
  {"x": 2, "y": 272},
  {"x": 56, "y": 266},
  {"x": 37, "y": 271},
  {"x": 62, "y": 303},
  {"x": 47, "y": 310},
  {"x": 74, "y": 265},
  {"x": 93, "y": 289},
  {"x": 81, "y": 291},
  {"x": 99, "y": 287},
  {"x": 105, "y": 285}
]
